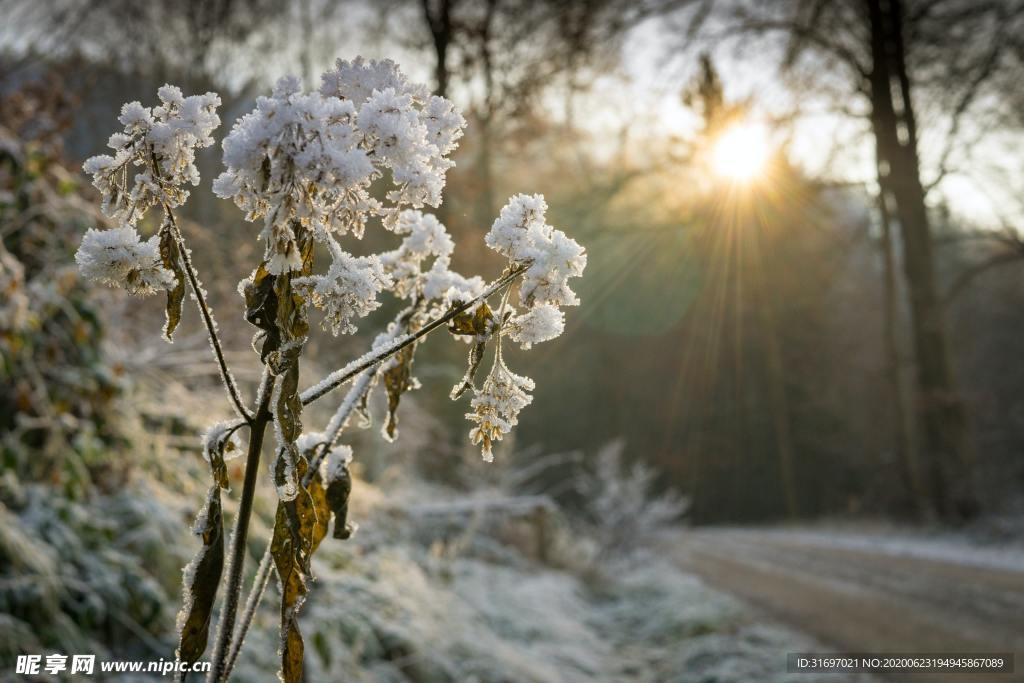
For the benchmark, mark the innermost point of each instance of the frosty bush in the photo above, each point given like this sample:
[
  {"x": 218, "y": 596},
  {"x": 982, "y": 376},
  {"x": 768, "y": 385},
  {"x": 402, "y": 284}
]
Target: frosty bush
[
  {"x": 623, "y": 505},
  {"x": 315, "y": 169}
]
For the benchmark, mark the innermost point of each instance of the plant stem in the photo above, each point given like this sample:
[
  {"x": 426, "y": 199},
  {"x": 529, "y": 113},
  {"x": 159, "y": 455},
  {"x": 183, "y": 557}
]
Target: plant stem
[
  {"x": 233, "y": 590},
  {"x": 252, "y": 603},
  {"x": 207, "y": 315},
  {"x": 259, "y": 587}
]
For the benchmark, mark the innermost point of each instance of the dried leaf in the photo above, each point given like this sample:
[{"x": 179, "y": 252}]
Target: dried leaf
[
  {"x": 397, "y": 380},
  {"x": 296, "y": 526},
  {"x": 477, "y": 323},
  {"x": 322, "y": 511},
  {"x": 291, "y": 319},
  {"x": 202, "y": 578},
  {"x": 337, "y": 493},
  {"x": 261, "y": 308},
  {"x": 481, "y": 325},
  {"x": 288, "y": 405},
  {"x": 170, "y": 255}
]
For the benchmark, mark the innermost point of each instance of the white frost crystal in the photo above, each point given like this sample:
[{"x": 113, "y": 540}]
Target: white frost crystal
[
  {"x": 424, "y": 238},
  {"x": 333, "y": 466},
  {"x": 120, "y": 258},
  {"x": 522, "y": 234},
  {"x": 349, "y": 290},
  {"x": 221, "y": 437},
  {"x": 538, "y": 324}
]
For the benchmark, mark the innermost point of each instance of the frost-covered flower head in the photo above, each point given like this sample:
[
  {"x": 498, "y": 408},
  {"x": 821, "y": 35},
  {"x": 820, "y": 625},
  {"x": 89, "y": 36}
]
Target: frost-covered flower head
[
  {"x": 120, "y": 258},
  {"x": 154, "y": 155},
  {"x": 347, "y": 291},
  {"x": 425, "y": 238},
  {"x": 305, "y": 161},
  {"x": 547, "y": 258},
  {"x": 521, "y": 234},
  {"x": 496, "y": 406}
]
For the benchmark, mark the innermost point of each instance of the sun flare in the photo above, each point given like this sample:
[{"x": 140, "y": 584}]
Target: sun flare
[{"x": 740, "y": 152}]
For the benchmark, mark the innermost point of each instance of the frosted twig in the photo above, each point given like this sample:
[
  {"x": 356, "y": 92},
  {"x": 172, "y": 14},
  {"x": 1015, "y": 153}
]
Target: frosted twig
[
  {"x": 259, "y": 587},
  {"x": 207, "y": 315},
  {"x": 342, "y": 375},
  {"x": 252, "y": 603},
  {"x": 258, "y": 426}
]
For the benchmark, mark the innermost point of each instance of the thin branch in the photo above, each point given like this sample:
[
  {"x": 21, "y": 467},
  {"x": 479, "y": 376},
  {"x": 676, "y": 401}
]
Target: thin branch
[
  {"x": 968, "y": 276},
  {"x": 985, "y": 71},
  {"x": 805, "y": 33},
  {"x": 207, "y": 314},
  {"x": 252, "y": 603},
  {"x": 342, "y": 375}
]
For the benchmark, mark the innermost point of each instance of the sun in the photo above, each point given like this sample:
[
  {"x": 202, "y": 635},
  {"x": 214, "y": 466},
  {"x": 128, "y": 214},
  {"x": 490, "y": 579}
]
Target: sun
[{"x": 740, "y": 152}]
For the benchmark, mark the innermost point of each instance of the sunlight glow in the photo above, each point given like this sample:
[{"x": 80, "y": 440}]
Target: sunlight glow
[{"x": 740, "y": 152}]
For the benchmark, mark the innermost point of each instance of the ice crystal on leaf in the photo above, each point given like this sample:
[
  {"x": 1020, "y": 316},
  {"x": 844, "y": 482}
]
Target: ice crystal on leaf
[
  {"x": 335, "y": 463},
  {"x": 221, "y": 439},
  {"x": 120, "y": 258}
]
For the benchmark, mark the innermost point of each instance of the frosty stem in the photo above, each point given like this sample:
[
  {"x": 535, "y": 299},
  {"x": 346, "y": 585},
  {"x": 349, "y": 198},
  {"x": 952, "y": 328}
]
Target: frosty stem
[
  {"x": 233, "y": 589},
  {"x": 259, "y": 587},
  {"x": 252, "y": 603},
  {"x": 207, "y": 315}
]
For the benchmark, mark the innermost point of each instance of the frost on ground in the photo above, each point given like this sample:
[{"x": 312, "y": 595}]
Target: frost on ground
[
  {"x": 433, "y": 599},
  {"x": 996, "y": 543},
  {"x": 466, "y": 599}
]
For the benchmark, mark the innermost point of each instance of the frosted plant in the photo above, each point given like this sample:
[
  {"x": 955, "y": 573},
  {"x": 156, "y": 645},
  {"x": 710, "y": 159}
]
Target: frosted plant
[
  {"x": 119, "y": 257},
  {"x": 623, "y": 503},
  {"x": 154, "y": 156},
  {"x": 301, "y": 166}
]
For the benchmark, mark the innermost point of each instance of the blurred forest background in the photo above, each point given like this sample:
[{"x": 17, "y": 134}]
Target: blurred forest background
[{"x": 822, "y": 319}]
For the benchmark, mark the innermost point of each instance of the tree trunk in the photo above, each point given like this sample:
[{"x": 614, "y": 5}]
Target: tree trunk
[
  {"x": 906, "y": 454},
  {"x": 942, "y": 416},
  {"x": 439, "y": 21}
]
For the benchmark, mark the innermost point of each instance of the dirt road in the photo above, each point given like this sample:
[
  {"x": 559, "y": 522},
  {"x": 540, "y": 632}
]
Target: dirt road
[{"x": 859, "y": 599}]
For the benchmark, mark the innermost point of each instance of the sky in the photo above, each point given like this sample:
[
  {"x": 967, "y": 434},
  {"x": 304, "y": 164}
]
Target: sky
[{"x": 656, "y": 71}]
